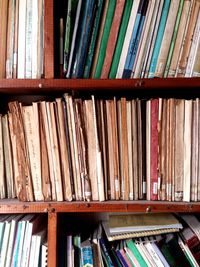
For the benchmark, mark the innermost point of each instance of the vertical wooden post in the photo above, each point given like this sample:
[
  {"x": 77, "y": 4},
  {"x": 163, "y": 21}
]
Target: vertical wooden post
[
  {"x": 52, "y": 239},
  {"x": 49, "y": 38}
]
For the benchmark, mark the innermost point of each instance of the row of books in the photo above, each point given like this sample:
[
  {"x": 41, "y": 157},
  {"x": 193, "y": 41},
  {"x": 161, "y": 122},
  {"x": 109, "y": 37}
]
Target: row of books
[
  {"x": 167, "y": 249},
  {"x": 131, "y": 39},
  {"x": 98, "y": 149},
  {"x": 21, "y": 34},
  {"x": 22, "y": 241}
]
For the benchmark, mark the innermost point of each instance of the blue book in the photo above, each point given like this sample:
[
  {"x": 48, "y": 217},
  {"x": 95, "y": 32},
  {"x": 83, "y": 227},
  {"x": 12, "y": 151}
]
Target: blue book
[
  {"x": 121, "y": 258},
  {"x": 135, "y": 37},
  {"x": 83, "y": 38},
  {"x": 159, "y": 37},
  {"x": 86, "y": 254}
]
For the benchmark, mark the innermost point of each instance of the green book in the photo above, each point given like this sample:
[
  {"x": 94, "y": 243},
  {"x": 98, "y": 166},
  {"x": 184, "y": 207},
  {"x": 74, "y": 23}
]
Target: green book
[
  {"x": 70, "y": 19},
  {"x": 91, "y": 49},
  {"x": 171, "y": 49},
  {"x": 105, "y": 36},
  {"x": 120, "y": 39},
  {"x": 131, "y": 245}
]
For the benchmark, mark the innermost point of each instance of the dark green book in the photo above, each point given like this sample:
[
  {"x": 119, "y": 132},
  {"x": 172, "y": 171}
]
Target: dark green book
[
  {"x": 105, "y": 36},
  {"x": 94, "y": 33},
  {"x": 120, "y": 39}
]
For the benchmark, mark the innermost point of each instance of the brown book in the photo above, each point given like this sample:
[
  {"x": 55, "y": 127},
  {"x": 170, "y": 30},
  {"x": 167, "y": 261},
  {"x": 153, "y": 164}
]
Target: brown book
[
  {"x": 124, "y": 151},
  {"x": 44, "y": 116},
  {"x": 3, "y": 30},
  {"x": 112, "y": 38},
  {"x": 179, "y": 149},
  {"x": 32, "y": 135},
  {"x": 9, "y": 171},
  {"x": 23, "y": 180},
  {"x": 111, "y": 177},
  {"x": 55, "y": 149},
  {"x": 180, "y": 37},
  {"x": 64, "y": 161},
  {"x": 15, "y": 39},
  {"x": 188, "y": 39},
  {"x": 45, "y": 172},
  {"x": 83, "y": 149},
  {"x": 73, "y": 146},
  {"x": 91, "y": 148}
]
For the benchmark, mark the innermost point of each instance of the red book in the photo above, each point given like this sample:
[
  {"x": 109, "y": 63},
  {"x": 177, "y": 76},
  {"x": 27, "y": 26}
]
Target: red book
[{"x": 154, "y": 150}]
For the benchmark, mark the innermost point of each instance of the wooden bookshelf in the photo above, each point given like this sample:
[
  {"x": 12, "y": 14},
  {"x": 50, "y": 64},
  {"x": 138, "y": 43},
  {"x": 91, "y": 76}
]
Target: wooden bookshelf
[{"x": 139, "y": 87}]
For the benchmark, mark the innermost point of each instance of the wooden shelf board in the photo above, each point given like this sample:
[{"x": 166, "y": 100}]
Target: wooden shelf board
[
  {"x": 14, "y": 206},
  {"x": 35, "y": 86}
]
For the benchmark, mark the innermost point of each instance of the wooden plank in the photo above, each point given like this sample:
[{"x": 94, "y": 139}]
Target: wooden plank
[
  {"x": 52, "y": 239},
  {"x": 15, "y": 206},
  {"x": 27, "y": 86},
  {"x": 49, "y": 38}
]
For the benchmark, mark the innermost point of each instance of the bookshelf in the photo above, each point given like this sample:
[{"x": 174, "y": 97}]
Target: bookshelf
[{"x": 23, "y": 88}]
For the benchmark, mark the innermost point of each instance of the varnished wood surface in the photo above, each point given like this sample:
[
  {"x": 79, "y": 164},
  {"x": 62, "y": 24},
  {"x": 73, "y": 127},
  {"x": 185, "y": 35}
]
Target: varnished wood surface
[
  {"x": 15, "y": 206},
  {"x": 35, "y": 86}
]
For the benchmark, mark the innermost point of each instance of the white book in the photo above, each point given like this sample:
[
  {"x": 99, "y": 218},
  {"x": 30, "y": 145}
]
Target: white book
[
  {"x": 127, "y": 38},
  {"x": 11, "y": 240},
  {"x": 35, "y": 24},
  {"x": 153, "y": 253},
  {"x": 160, "y": 255},
  {"x": 193, "y": 48},
  {"x": 44, "y": 255},
  {"x": 145, "y": 254},
  {"x": 32, "y": 251},
  {"x": 187, "y": 150},
  {"x": 21, "y": 40},
  {"x": 5, "y": 241},
  {"x": 2, "y": 227},
  {"x": 29, "y": 40},
  {"x": 187, "y": 252},
  {"x": 131, "y": 257}
]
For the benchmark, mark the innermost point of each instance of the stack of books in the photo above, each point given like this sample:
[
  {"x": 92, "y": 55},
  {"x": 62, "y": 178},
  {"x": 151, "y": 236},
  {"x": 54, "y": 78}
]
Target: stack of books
[
  {"x": 88, "y": 148},
  {"x": 131, "y": 39},
  {"x": 21, "y": 240},
  {"x": 164, "y": 248},
  {"x": 21, "y": 35}
]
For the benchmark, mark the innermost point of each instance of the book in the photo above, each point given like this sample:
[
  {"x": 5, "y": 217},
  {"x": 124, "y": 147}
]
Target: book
[
  {"x": 159, "y": 38},
  {"x": 112, "y": 38},
  {"x": 138, "y": 225},
  {"x": 44, "y": 254},
  {"x": 31, "y": 127},
  {"x": 174, "y": 36},
  {"x": 196, "y": 68},
  {"x": 2, "y": 172},
  {"x": 93, "y": 39},
  {"x": 135, "y": 37},
  {"x": 180, "y": 37},
  {"x": 136, "y": 253},
  {"x": 167, "y": 37},
  {"x": 127, "y": 38},
  {"x": 3, "y": 30},
  {"x": 82, "y": 38},
  {"x": 86, "y": 253},
  {"x": 7, "y": 148},
  {"x": 104, "y": 39},
  {"x": 23, "y": 181},
  {"x": 120, "y": 38},
  {"x": 182, "y": 64}
]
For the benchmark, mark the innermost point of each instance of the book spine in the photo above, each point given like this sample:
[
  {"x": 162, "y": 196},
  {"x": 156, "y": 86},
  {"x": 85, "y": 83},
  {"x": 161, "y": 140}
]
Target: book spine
[
  {"x": 159, "y": 37},
  {"x": 133, "y": 45},
  {"x": 175, "y": 32},
  {"x": 92, "y": 44}
]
